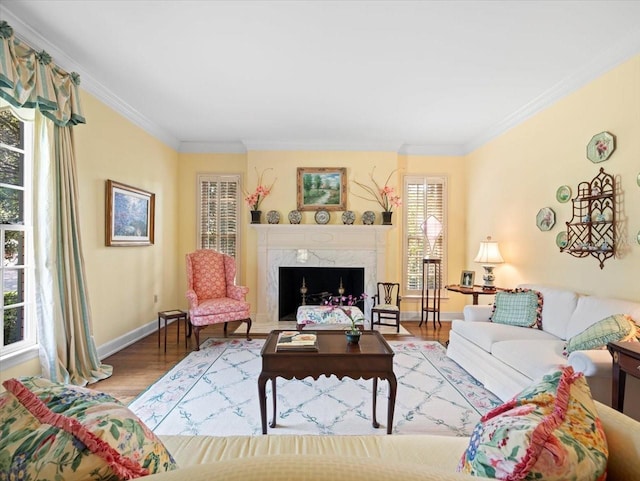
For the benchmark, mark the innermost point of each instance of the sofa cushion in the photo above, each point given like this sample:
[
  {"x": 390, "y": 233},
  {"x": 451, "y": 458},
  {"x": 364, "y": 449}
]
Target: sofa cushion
[
  {"x": 618, "y": 327},
  {"x": 534, "y": 359},
  {"x": 522, "y": 307},
  {"x": 550, "y": 431},
  {"x": 485, "y": 334},
  {"x": 558, "y": 306},
  {"x": 55, "y": 431},
  {"x": 591, "y": 309}
]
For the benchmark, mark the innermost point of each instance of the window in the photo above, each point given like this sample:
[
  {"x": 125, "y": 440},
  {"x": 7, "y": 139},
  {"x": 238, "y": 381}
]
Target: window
[
  {"x": 16, "y": 141},
  {"x": 218, "y": 206},
  {"x": 424, "y": 196}
]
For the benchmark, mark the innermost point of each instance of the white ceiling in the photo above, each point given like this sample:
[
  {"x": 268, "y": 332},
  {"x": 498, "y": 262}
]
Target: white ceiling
[{"x": 431, "y": 77}]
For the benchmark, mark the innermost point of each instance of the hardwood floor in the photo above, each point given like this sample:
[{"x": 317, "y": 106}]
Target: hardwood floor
[{"x": 139, "y": 365}]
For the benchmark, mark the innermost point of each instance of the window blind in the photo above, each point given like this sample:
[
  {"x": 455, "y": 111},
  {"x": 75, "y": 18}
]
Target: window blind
[
  {"x": 423, "y": 196},
  {"x": 218, "y": 213}
]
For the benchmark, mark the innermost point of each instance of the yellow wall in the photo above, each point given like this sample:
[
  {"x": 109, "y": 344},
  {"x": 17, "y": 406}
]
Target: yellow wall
[
  {"x": 515, "y": 175},
  {"x": 124, "y": 280}
]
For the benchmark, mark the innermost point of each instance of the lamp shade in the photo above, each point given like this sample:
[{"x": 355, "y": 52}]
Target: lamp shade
[{"x": 489, "y": 253}]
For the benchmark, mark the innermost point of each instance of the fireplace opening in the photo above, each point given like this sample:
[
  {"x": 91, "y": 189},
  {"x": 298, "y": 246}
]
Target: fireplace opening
[{"x": 321, "y": 282}]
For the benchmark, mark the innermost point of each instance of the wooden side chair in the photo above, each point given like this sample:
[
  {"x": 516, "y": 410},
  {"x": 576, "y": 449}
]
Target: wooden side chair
[
  {"x": 386, "y": 305},
  {"x": 213, "y": 296}
]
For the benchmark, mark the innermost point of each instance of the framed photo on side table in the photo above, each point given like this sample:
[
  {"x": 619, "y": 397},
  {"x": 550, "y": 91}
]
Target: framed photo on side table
[
  {"x": 129, "y": 216},
  {"x": 322, "y": 188},
  {"x": 467, "y": 278}
]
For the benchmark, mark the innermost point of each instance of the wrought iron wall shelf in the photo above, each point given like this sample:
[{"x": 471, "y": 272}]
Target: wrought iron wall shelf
[{"x": 591, "y": 230}]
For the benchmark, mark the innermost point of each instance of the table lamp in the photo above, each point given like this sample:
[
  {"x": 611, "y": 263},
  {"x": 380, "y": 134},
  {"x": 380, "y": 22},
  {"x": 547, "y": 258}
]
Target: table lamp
[{"x": 488, "y": 254}]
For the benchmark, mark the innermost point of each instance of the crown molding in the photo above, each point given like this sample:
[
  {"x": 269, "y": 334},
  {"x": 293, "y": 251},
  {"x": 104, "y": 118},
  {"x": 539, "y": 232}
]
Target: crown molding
[
  {"x": 320, "y": 145},
  {"x": 32, "y": 38},
  {"x": 232, "y": 147},
  {"x": 598, "y": 66},
  {"x": 432, "y": 149}
]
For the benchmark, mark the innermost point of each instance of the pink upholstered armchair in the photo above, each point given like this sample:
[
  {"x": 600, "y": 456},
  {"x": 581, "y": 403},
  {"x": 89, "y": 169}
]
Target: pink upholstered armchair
[{"x": 212, "y": 293}]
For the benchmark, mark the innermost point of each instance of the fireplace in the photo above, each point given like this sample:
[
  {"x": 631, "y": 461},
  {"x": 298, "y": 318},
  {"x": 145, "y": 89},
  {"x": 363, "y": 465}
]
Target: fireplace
[
  {"x": 309, "y": 245},
  {"x": 320, "y": 282}
]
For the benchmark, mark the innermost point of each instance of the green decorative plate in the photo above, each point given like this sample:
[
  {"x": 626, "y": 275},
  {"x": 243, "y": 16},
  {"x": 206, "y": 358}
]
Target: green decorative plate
[
  {"x": 562, "y": 239},
  {"x": 563, "y": 194}
]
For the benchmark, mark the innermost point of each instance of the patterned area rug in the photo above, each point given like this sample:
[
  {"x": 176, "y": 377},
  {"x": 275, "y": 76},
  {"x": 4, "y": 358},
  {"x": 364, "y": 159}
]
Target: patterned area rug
[{"x": 214, "y": 392}]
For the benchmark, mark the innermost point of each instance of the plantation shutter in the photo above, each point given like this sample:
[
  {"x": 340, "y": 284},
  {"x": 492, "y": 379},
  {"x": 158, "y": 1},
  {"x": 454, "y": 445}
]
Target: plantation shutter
[
  {"x": 218, "y": 213},
  {"x": 423, "y": 197}
]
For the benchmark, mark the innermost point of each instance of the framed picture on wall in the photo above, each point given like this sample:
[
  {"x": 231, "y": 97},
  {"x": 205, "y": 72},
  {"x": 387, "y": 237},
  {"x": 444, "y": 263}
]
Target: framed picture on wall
[
  {"x": 129, "y": 215},
  {"x": 322, "y": 188},
  {"x": 467, "y": 278}
]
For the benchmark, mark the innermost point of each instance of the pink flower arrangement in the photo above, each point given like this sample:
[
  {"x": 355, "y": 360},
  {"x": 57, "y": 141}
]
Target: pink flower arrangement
[
  {"x": 344, "y": 303},
  {"x": 254, "y": 200},
  {"x": 385, "y": 196}
]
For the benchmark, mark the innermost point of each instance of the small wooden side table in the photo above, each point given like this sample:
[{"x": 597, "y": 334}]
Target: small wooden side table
[
  {"x": 626, "y": 360},
  {"x": 474, "y": 291},
  {"x": 168, "y": 316}
]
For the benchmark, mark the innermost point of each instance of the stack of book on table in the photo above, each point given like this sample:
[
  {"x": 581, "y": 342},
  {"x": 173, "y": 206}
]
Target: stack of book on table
[{"x": 297, "y": 341}]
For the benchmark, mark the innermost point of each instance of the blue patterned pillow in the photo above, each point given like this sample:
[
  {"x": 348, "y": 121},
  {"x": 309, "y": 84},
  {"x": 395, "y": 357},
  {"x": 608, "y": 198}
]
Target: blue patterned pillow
[{"x": 521, "y": 307}]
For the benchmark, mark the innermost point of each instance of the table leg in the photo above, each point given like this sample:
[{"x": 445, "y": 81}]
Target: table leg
[
  {"x": 262, "y": 397},
  {"x": 165, "y": 334},
  {"x": 375, "y": 422},
  {"x": 475, "y": 298},
  {"x": 178, "y": 335},
  {"x": 619, "y": 381},
  {"x": 393, "y": 384},
  {"x": 273, "y": 394},
  {"x": 158, "y": 332}
]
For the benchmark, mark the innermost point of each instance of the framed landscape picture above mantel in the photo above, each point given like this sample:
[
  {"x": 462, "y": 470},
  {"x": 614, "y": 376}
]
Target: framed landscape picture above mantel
[
  {"x": 129, "y": 216},
  {"x": 322, "y": 188}
]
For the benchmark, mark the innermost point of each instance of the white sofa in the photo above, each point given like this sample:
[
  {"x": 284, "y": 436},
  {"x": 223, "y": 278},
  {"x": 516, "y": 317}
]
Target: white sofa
[
  {"x": 417, "y": 457},
  {"x": 507, "y": 358}
]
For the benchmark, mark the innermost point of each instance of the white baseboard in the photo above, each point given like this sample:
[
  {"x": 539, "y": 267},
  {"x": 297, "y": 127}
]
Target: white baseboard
[{"x": 111, "y": 347}]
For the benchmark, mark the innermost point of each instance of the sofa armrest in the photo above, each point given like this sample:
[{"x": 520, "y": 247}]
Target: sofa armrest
[
  {"x": 593, "y": 363},
  {"x": 477, "y": 313}
]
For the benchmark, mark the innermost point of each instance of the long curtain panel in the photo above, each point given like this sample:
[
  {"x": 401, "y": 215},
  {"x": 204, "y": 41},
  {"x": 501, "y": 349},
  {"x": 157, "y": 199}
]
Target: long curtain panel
[{"x": 30, "y": 79}]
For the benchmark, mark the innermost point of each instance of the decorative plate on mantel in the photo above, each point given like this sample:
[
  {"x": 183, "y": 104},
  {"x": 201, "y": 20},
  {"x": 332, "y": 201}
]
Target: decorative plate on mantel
[
  {"x": 368, "y": 217},
  {"x": 273, "y": 217},
  {"x": 348, "y": 217},
  {"x": 322, "y": 216},
  {"x": 295, "y": 217}
]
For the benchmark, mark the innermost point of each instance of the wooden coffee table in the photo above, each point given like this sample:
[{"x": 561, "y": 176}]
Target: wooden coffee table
[{"x": 372, "y": 358}]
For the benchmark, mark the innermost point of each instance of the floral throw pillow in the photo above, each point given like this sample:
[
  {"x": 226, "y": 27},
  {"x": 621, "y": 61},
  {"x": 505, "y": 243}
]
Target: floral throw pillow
[
  {"x": 618, "y": 327},
  {"x": 55, "y": 431},
  {"x": 520, "y": 307},
  {"x": 550, "y": 431}
]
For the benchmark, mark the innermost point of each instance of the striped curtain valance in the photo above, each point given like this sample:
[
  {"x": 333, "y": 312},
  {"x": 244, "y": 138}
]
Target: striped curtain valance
[{"x": 30, "y": 79}]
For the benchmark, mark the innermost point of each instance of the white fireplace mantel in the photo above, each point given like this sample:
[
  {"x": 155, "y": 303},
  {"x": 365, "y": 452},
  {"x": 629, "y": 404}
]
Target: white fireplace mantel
[{"x": 308, "y": 245}]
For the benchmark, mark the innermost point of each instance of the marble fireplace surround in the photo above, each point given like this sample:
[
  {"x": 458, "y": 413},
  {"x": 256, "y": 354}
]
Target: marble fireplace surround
[{"x": 300, "y": 245}]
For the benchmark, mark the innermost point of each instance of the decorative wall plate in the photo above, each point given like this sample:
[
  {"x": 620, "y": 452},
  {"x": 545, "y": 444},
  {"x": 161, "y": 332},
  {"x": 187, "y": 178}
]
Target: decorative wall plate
[
  {"x": 295, "y": 217},
  {"x": 562, "y": 239},
  {"x": 600, "y": 147},
  {"x": 563, "y": 194},
  {"x": 368, "y": 217},
  {"x": 546, "y": 218},
  {"x": 638, "y": 180},
  {"x": 348, "y": 217},
  {"x": 638, "y": 237},
  {"x": 273, "y": 217},
  {"x": 322, "y": 216}
]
